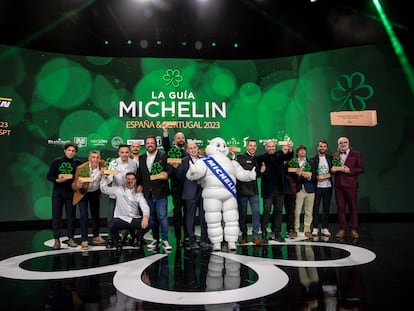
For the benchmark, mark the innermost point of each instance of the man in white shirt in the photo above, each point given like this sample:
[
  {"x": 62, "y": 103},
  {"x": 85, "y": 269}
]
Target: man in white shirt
[{"x": 128, "y": 208}]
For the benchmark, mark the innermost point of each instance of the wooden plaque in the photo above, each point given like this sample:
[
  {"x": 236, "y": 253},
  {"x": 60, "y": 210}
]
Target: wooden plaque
[
  {"x": 337, "y": 168},
  {"x": 171, "y": 124},
  {"x": 354, "y": 118},
  {"x": 174, "y": 161},
  {"x": 157, "y": 176},
  {"x": 282, "y": 143},
  {"x": 110, "y": 172},
  {"x": 235, "y": 149},
  {"x": 86, "y": 179},
  {"x": 65, "y": 176},
  {"x": 292, "y": 169}
]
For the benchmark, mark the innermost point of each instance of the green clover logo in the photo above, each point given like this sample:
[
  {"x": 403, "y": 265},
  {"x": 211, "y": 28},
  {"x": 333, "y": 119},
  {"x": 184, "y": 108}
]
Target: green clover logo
[
  {"x": 84, "y": 171},
  {"x": 293, "y": 163},
  {"x": 282, "y": 136},
  {"x": 352, "y": 91},
  {"x": 109, "y": 160},
  {"x": 322, "y": 170},
  {"x": 306, "y": 167},
  {"x": 174, "y": 77},
  {"x": 175, "y": 153},
  {"x": 336, "y": 161},
  {"x": 156, "y": 168},
  {"x": 65, "y": 168}
]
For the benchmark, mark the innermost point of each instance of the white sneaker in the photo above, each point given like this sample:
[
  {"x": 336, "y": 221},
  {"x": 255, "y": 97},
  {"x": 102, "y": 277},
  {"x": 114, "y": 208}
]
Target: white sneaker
[
  {"x": 315, "y": 231},
  {"x": 153, "y": 244},
  {"x": 166, "y": 246},
  {"x": 325, "y": 232}
]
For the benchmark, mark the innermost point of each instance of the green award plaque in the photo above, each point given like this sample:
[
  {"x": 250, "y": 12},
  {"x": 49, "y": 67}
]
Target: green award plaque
[{"x": 85, "y": 174}]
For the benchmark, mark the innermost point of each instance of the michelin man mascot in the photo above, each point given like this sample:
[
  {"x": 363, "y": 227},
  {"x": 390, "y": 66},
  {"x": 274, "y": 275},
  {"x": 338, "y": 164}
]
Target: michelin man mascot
[{"x": 217, "y": 175}]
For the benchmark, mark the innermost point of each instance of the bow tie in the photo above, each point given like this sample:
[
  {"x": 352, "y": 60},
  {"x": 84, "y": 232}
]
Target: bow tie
[{"x": 342, "y": 152}]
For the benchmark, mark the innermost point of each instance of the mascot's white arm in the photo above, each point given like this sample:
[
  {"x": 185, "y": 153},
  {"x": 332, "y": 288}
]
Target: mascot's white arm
[
  {"x": 196, "y": 170},
  {"x": 242, "y": 174}
]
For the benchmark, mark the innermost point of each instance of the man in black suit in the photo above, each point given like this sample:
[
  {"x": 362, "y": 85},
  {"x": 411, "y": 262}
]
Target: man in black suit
[
  {"x": 191, "y": 194},
  {"x": 274, "y": 184},
  {"x": 179, "y": 211},
  {"x": 152, "y": 178}
]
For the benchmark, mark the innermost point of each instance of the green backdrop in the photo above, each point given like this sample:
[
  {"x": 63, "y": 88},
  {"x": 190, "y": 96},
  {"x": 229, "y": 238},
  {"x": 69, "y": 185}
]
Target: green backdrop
[{"x": 48, "y": 99}]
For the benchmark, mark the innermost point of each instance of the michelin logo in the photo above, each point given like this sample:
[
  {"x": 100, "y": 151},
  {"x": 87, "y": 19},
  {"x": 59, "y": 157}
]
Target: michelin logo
[{"x": 5, "y": 102}]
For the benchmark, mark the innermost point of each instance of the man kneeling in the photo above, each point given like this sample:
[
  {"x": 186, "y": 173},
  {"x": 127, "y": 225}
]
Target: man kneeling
[{"x": 129, "y": 204}]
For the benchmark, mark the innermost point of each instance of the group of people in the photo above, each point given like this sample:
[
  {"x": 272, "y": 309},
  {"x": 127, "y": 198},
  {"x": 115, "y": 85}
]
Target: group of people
[
  {"x": 140, "y": 189},
  {"x": 297, "y": 182}
]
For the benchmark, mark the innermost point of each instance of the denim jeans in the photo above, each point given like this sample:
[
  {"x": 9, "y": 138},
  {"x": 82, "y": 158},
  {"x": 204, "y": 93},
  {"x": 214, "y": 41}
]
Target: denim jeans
[
  {"x": 158, "y": 218},
  {"x": 255, "y": 207}
]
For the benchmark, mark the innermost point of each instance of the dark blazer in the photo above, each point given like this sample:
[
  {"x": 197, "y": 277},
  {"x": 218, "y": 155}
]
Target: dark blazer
[
  {"x": 190, "y": 187},
  {"x": 153, "y": 188},
  {"x": 176, "y": 184},
  {"x": 356, "y": 166},
  {"x": 306, "y": 183},
  {"x": 268, "y": 178},
  {"x": 315, "y": 160}
]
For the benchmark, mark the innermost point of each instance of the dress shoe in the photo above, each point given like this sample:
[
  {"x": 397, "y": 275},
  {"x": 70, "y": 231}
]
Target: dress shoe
[
  {"x": 205, "y": 245},
  {"x": 97, "y": 240},
  {"x": 194, "y": 246},
  {"x": 57, "y": 244},
  {"x": 291, "y": 234},
  {"x": 340, "y": 234},
  {"x": 277, "y": 237},
  {"x": 354, "y": 234},
  {"x": 243, "y": 240},
  {"x": 110, "y": 244},
  {"x": 256, "y": 241},
  {"x": 84, "y": 245},
  {"x": 179, "y": 243},
  {"x": 136, "y": 243},
  {"x": 308, "y": 234},
  {"x": 72, "y": 243},
  {"x": 325, "y": 232}
]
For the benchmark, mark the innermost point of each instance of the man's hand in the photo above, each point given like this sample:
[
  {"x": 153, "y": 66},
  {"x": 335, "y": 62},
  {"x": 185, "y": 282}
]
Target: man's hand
[
  {"x": 144, "y": 222},
  {"x": 164, "y": 126}
]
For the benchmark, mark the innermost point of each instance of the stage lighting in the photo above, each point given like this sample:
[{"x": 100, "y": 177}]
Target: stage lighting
[
  {"x": 143, "y": 44},
  {"x": 198, "y": 45},
  {"x": 213, "y": 44},
  {"x": 129, "y": 42}
]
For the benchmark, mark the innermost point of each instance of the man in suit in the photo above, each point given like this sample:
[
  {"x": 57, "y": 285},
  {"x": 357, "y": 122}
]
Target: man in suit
[
  {"x": 179, "y": 211},
  {"x": 274, "y": 184},
  {"x": 346, "y": 186},
  {"x": 87, "y": 194},
  {"x": 305, "y": 191},
  {"x": 191, "y": 194},
  {"x": 152, "y": 179},
  {"x": 323, "y": 191}
]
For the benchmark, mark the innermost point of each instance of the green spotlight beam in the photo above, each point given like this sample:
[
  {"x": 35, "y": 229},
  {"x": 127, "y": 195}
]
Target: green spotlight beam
[
  {"x": 398, "y": 48},
  {"x": 47, "y": 28}
]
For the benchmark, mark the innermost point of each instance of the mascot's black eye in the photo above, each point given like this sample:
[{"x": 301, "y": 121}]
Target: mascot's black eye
[{"x": 218, "y": 145}]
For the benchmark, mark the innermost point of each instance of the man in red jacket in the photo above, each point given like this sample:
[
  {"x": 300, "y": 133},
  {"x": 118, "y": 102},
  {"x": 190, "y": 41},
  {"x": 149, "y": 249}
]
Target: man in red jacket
[{"x": 346, "y": 186}]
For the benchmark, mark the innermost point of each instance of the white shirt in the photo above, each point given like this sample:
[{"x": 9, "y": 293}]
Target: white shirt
[
  {"x": 128, "y": 201},
  {"x": 96, "y": 175},
  {"x": 122, "y": 168},
  {"x": 323, "y": 168}
]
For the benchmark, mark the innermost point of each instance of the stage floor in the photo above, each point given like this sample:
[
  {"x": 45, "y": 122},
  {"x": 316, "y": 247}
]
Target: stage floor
[{"x": 372, "y": 273}]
